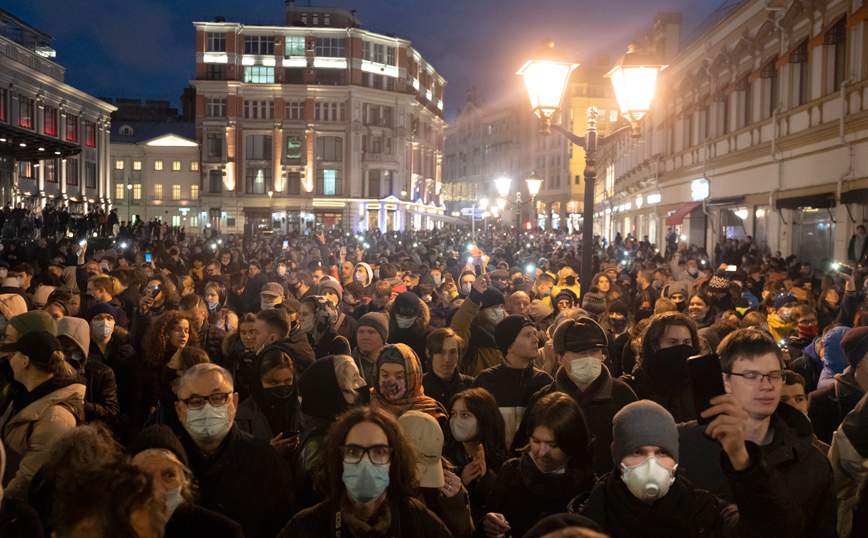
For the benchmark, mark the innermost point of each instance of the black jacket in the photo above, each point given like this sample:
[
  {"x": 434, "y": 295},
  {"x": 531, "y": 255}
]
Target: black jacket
[
  {"x": 410, "y": 519},
  {"x": 198, "y": 522},
  {"x": 851, "y": 248},
  {"x": 211, "y": 342},
  {"x": 678, "y": 401},
  {"x": 245, "y": 480},
  {"x": 804, "y": 471},
  {"x": 443, "y": 390},
  {"x": 101, "y": 395},
  {"x": 828, "y": 406},
  {"x": 603, "y": 399}
]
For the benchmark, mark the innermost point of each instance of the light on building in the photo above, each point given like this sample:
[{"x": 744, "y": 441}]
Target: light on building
[{"x": 634, "y": 77}]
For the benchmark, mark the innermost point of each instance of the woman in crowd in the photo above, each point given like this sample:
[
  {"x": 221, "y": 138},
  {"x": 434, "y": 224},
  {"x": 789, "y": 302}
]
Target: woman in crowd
[
  {"x": 399, "y": 384},
  {"x": 700, "y": 310},
  {"x": 828, "y": 307},
  {"x": 601, "y": 282},
  {"x": 158, "y": 296},
  {"x": 215, "y": 298},
  {"x": 271, "y": 411}
]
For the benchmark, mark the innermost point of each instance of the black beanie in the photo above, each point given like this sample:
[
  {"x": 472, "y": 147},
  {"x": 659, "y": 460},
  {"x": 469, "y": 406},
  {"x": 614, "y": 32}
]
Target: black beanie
[
  {"x": 407, "y": 304},
  {"x": 507, "y": 331},
  {"x": 492, "y": 297},
  {"x": 578, "y": 335},
  {"x": 158, "y": 436},
  {"x": 618, "y": 307}
]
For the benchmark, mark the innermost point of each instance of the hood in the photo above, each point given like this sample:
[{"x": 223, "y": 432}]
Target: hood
[
  {"x": 833, "y": 355},
  {"x": 70, "y": 396},
  {"x": 368, "y": 272},
  {"x": 811, "y": 352},
  {"x": 68, "y": 277},
  {"x": 76, "y": 329},
  {"x": 12, "y": 304},
  {"x": 320, "y": 393},
  {"x": 423, "y": 319}
]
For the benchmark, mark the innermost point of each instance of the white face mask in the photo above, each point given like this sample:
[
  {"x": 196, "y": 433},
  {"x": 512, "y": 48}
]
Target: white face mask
[
  {"x": 649, "y": 480},
  {"x": 359, "y": 277},
  {"x": 463, "y": 429},
  {"x": 3, "y": 273},
  {"x": 266, "y": 306},
  {"x": 281, "y": 270},
  {"x": 495, "y": 315},
  {"x": 173, "y": 500},
  {"x": 306, "y": 326},
  {"x": 208, "y": 423},
  {"x": 465, "y": 289},
  {"x": 438, "y": 279},
  {"x": 405, "y": 323},
  {"x": 103, "y": 328},
  {"x": 585, "y": 369}
]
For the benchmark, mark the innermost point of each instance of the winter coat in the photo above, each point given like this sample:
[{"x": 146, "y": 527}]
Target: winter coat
[
  {"x": 211, "y": 342},
  {"x": 101, "y": 397},
  {"x": 246, "y": 480},
  {"x": 809, "y": 366},
  {"x": 524, "y": 494},
  {"x": 600, "y": 402},
  {"x": 849, "y": 457},
  {"x": 803, "y": 470},
  {"x": 29, "y": 434},
  {"x": 443, "y": 390},
  {"x": 834, "y": 360},
  {"x": 482, "y": 351},
  {"x": 512, "y": 389},
  {"x": 120, "y": 356},
  {"x": 687, "y": 511},
  {"x": 410, "y": 519},
  {"x": 828, "y": 406},
  {"x": 302, "y": 352},
  {"x": 198, "y": 522}
]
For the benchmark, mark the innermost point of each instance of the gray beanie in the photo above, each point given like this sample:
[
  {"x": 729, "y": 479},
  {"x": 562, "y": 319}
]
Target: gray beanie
[
  {"x": 643, "y": 423},
  {"x": 379, "y": 321}
]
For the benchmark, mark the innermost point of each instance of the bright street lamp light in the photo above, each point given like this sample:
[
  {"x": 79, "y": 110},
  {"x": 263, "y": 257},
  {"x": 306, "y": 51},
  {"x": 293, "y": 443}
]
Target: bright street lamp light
[
  {"x": 503, "y": 185},
  {"x": 634, "y": 77},
  {"x": 483, "y": 204},
  {"x": 546, "y": 76},
  {"x": 533, "y": 185},
  {"x": 501, "y": 203}
]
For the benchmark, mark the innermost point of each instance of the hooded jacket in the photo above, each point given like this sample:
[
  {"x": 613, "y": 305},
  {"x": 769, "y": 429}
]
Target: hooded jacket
[
  {"x": 369, "y": 273},
  {"x": 809, "y": 365},
  {"x": 828, "y": 406},
  {"x": 12, "y": 304},
  {"x": 416, "y": 336},
  {"x": 834, "y": 360},
  {"x": 849, "y": 457},
  {"x": 413, "y": 398},
  {"x": 101, "y": 396}
]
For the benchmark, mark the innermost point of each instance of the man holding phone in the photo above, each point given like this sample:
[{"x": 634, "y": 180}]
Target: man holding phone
[{"x": 752, "y": 366}]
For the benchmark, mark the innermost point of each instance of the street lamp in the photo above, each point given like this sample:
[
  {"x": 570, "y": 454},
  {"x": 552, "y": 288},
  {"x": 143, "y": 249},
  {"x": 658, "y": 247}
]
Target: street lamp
[
  {"x": 483, "y": 205},
  {"x": 503, "y": 184},
  {"x": 130, "y": 204},
  {"x": 534, "y": 182},
  {"x": 546, "y": 76},
  {"x": 501, "y": 203}
]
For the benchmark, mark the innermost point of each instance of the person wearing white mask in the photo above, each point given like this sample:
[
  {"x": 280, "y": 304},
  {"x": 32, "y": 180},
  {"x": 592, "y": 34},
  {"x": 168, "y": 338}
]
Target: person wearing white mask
[
  {"x": 271, "y": 295},
  {"x": 580, "y": 347},
  {"x": 158, "y": 452},
  {"x": 100, "y": 398},
  {"x": 409, "y": 322},
  {"x": 239, "y": 476}
]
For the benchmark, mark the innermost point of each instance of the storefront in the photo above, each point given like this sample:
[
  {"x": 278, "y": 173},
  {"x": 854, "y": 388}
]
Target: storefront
[
  {"x": 813, "y": 226},
  {"x": 690, "y": 222}
]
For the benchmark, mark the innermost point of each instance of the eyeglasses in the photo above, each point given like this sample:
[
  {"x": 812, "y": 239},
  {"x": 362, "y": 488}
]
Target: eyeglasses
[
  {"x": 378, "y": 454},
  {"x": 755, "y": 378},
  {"x": 198, "y": 402}
]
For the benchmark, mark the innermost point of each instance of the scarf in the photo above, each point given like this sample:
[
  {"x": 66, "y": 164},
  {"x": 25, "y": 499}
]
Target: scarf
[
  {"x": 376, "y": 527},
  {"x": 414, "y": 398}
]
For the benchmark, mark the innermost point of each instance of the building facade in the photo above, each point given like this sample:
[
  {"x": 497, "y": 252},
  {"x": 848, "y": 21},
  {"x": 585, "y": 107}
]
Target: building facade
[
  {"x": 54, "y": 139},
  {"x": 759, "y": 127},
  {"x": 316, "y": 123}
]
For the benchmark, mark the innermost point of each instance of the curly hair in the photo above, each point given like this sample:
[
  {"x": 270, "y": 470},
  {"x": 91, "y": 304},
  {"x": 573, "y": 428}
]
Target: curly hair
[
  {"x": 657, "y": 329},
  {"x": 328, "y": 467},
  {"x": 156, "y": 340}
]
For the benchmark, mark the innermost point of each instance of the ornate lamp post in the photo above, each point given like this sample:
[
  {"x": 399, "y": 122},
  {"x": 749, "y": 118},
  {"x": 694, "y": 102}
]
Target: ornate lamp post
[{"x": 534, "y": 182}]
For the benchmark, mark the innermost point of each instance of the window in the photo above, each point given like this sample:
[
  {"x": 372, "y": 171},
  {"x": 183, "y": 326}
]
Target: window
[
  {"x": 214, "y": 146},
  {"x": 294, "y": 110},
  {"x": 158, "y": 165},
  {"x": 258, "y": 148},
  {"x": 158, "y": 192},
  {"x": 747, "y": 110},
  {"x": 90, "y": 175},
  {"x": 293, "y": 183},
  {"x": 374, "y": 184},
  {"x": 381, "y": 54},
  {"x": 25, "y": 112},
  {"x": 215, "y": 71},
  {"x": 89, "y": 133},
  {"x": 176, "y": 220},
  {"x": 769, "y": 73},
  {"x": 176, "y": 166},
  {"x": 137, "y": 191},
  {"x": 4, "y": 104},
  {"x": 294, "y": 147},
  {"x": 25, "y": 169},
  {"x": 331, "y": 76},
  {"x": 723, "y": 110},
  {"x": 258, "y": 74},
  {"x": 215, "y": 107},
  {"x": 294, "y": 75},
  {"x": 194, "y": 166},
  {"x": 378, "y": 82},
  {"x": 295, "y": 46},
  {"x": 215, "y": 181},
  {"x": 325, "y": 111},
  {"x": 119, "y": 191},
  {"x": 72, "y": 172},
  {"x": 72, "y": 128},
  {"x": 836, "y": 39},
  {"x": 49, "y": 115},
  {"x": 216, "y": 42},
  {"x": 330, "y": 149},
  {"x": 378, "y": 115},
  {"x": 194, "y": 221},
  {"x": 259, "y": 180},
  {"x": 328, "y": 182},
  {"x": 176, "y": 192},
  {"x": 194, "y": 192},
  {"x": 119, "y": 164},
  {"x": 799, "y": 61},
  {"x": 50, "y": 170},
  {"x": 137, "y": 165},
  {"x": 259, "y": 44},
  {"x": 331, "y": 47},
  {"x": 258, "y": 110}
]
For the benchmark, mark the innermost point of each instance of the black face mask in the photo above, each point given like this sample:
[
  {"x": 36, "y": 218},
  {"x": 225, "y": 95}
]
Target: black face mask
[
  {"x": 278, "y": 395},
  {"x": 668, "y": 365},
  {"x": 682, "y": 306},
  {"x": 570, "y": 280}
]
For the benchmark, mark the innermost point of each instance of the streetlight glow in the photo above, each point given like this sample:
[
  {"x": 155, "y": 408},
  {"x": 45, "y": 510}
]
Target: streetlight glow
[
  {"x": 483, "y": 204},
  {"x": 634, "y": 77},
  {"x": 503, "y": 185},
  {"x": 533, "y": 184},
  {"x": 501, "y": 203},
  {"x": 546, "y": 77}
]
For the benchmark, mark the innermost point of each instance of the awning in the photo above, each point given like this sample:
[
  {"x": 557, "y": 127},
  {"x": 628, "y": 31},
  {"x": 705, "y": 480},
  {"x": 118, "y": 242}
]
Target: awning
[
  {"x": 678, "y": 216},
  {"x": 729, "y": 200},
  {"x": 26, "y": 145},
  {"x": 858, "y": 196},
  {"x": 813, "y": 200}
]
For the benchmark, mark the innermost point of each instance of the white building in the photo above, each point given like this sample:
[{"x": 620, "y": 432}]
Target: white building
[
  {"x": 155, "y": 173},
  {"x": 759, "y": 127}
]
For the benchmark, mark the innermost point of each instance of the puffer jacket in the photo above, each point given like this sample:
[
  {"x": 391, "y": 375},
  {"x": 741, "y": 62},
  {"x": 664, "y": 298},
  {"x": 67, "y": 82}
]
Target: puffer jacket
[
  {"x": 482, "y": 351},
  {"x": 31, "y": 432}
]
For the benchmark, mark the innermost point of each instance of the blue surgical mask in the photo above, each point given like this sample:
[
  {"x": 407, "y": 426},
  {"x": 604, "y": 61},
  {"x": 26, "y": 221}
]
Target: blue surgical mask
[{"x": 365, "y": 482}]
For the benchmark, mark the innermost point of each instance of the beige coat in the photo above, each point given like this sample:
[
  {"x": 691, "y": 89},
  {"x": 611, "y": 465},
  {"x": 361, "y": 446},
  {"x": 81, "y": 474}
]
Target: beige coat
[{"x": 32, "y": 432}]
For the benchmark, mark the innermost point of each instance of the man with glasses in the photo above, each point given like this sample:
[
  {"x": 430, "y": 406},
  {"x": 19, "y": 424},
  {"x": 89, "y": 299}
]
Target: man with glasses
[
  {"x": 753, "y": 374},
  {"x": 239, "y": 476}
]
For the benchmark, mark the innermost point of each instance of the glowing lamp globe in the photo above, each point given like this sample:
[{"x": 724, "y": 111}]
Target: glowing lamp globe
[
  {"x": 634, "y": 78},
  {"x": 546, "y": 76}
]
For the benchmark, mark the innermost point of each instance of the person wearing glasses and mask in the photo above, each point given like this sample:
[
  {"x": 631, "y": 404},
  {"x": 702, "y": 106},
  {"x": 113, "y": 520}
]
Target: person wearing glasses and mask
[
  {"x": 368, "y": 471},
  {"x": 239, "y": 476},
  {"x": 753, "y": 366}
]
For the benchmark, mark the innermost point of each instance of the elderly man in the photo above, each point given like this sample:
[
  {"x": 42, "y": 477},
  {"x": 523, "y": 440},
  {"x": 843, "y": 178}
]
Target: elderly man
[{"x": 239, "y": 476}]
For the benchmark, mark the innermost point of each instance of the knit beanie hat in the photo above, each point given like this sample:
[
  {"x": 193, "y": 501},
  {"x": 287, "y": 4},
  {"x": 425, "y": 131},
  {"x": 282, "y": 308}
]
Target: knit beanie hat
[
  {"x": 675, "y": 287},
  {"x": 855, "y": 345},
  {"x": 643, "y": 423},
  {"x": 35, "y": 320},
  {"x": 329, "y": 284},
  {"x": 407, "y": 304},
  {"x": 594, "y": 301},
  {"x": 101, "y": 308},
  {"x": 618, "y": 307},
  {"x": 539, "y": 311},
  {"x": 718, "y": 284},
  {"x": 566, "y": 295},
  {"x": 784, "y": 298},
  {"x": 578, "y": 335},
  {"x": 492, "y": 297},
  {"x": 158, "y": 436},
  {"x": 507, "y": 331},
  {"x": 379, "y": 321}
]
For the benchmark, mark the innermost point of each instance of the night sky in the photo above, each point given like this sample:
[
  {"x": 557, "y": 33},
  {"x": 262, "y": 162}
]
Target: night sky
[{"x": 145, "y": 48}]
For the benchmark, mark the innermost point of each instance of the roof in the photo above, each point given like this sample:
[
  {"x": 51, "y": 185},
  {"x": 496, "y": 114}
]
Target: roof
[{"x": 148, "y": 130}]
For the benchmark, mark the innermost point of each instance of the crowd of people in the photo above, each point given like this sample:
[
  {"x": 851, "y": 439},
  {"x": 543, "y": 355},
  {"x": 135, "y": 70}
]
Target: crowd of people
[{"x": 427, "y": 384}]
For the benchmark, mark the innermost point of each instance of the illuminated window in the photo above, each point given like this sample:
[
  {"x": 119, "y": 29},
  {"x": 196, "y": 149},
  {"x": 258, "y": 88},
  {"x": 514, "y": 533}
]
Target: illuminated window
[
  {"x": 194, "y": 221},
  {"x": 194, "y": 192},
  {"x": 119, "y": 191},
  {"x": 176, "y": 192},
  {"x": 176, "y": 166},
  {"x": 137, "y": 165},
  {"x": 158, "y": 165},
  {"x": 137, "y": 191},
  {"x": 119, "y": 164},
  {"x": 158, "y": 192},
  {"x": 176, "y": 220},
  {"x": 194, "y": 166}
]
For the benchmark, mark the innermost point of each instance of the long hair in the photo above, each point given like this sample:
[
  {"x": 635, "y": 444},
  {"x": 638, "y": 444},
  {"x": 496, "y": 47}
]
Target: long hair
[
  {"x": 657, "y": 329},
  {"x": 489, "y": 421},
  {"x": 328, "y": 466},
  {"x": 156, "y": 340},
  {"x": 562, "y": 415}
]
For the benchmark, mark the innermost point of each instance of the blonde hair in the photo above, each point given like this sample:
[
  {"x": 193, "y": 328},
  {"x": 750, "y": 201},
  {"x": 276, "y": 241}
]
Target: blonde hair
[{"x": 109, "y": 284}]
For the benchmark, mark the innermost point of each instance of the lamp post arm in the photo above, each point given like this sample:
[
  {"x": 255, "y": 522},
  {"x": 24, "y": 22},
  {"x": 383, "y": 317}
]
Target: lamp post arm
[{"x": 574, "y": 138}]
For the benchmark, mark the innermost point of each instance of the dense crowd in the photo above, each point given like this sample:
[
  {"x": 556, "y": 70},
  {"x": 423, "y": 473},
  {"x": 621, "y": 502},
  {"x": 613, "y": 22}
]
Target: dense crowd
[{"x": 426, "y": 384}]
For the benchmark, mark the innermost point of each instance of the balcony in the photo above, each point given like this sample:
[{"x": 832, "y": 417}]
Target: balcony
[{"x": 379, "y": 158}]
